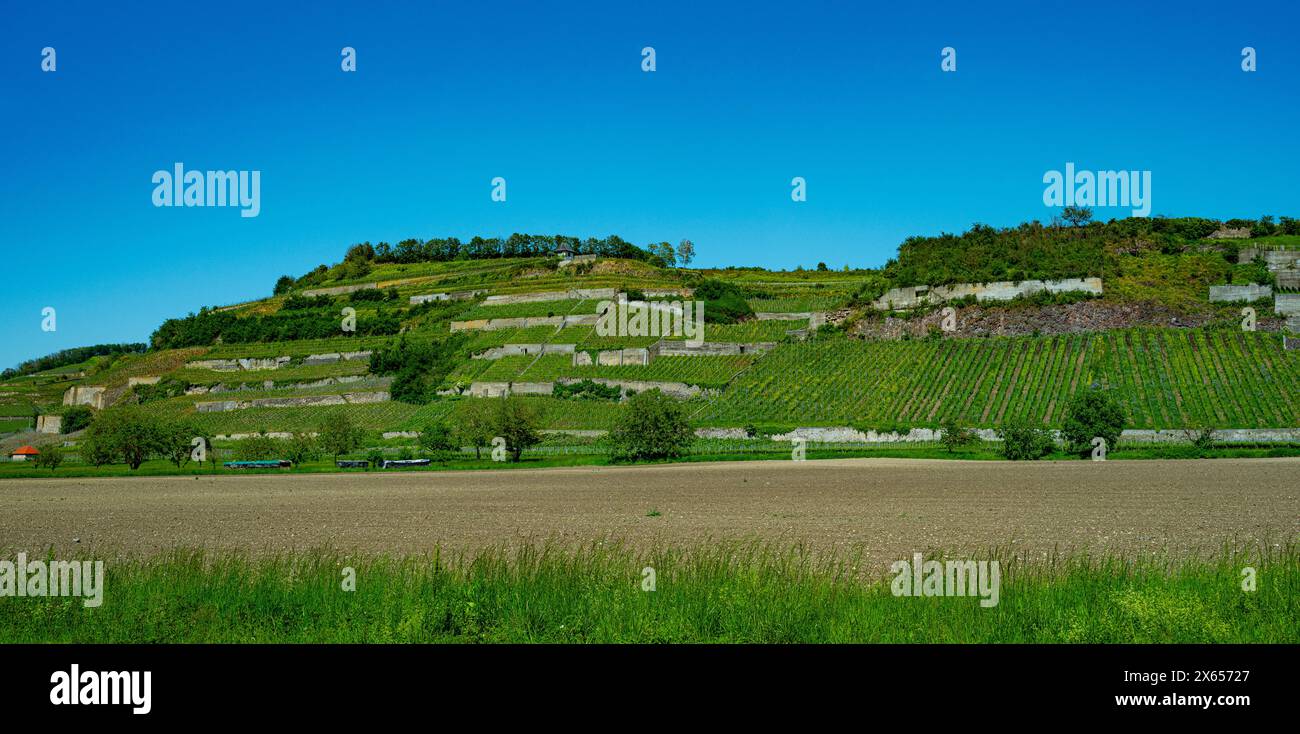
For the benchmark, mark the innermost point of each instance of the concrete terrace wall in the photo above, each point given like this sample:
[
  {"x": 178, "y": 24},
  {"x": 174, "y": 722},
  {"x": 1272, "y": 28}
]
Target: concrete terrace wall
[
  {"x": 524, "y": 322},
  {"x": 49, "y": 423},
  {"x": 618, "y": 357},
  {"x": 522, "y": 350},
  {"x": 334, "y": 357},
  {"x": 1288, "y": 279},
  {"x": 222, "y": 387},
  {"x": 566, "y": 262},
  {"x": 1234, "y": 293},
  {"x": 339, "y": 290},
  {"x": 709, "y": 349},
  {"x": 607, "y": 294},
  {"x": 454, "y": 296},
  {"x": 221, "y": 406},
  {"x": 485, "y": 389},
  {"x": 1287, "y": 303},
  {"x": 1274, "y": 259},
  {"x": 237, "y": 365},
  {"x": 913, "y": 296},
  {"x": 86, "y": 395}
]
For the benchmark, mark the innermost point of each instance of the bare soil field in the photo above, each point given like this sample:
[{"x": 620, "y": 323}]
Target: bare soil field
[{"x": 878, "y": 509}]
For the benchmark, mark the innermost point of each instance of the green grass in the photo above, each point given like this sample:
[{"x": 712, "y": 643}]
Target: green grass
[
  {"x": 548, "y": 592},
  {"x": 558, "y": 450}
]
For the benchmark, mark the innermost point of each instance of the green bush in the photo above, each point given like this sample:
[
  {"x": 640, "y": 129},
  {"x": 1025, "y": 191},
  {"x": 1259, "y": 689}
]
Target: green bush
[
  {"x": 436, "y": 438},
  {"x": 1092, "y": 413},
  {"x": 126, "y": 433},
  {"x": 952, "y": 436},
  {"x": 49, "y": 458},
  {"x": 651, "y": 425},
  {"x": 1022, "y": 440},
  {"x": 516, "y": 421},
  {"x": 724, "y": 303},
  {"x": 587, "y": 390},
  {"x": 76, "y": 418},
  {"x": 260, "y": 448}
]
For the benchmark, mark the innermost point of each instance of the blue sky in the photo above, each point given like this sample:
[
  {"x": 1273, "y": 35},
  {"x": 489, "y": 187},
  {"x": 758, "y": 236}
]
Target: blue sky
[{"x": 551, "y": 96}]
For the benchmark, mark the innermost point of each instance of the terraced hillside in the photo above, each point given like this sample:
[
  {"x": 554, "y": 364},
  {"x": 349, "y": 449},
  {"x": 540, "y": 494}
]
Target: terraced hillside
[{"x": 526, "y": 325}]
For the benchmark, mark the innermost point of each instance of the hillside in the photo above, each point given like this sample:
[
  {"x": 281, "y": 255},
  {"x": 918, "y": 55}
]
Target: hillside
[{"x": 439, "y": 324}]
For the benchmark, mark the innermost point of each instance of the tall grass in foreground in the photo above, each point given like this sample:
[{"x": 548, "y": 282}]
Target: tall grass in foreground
[{"x": 732, "y": 593}]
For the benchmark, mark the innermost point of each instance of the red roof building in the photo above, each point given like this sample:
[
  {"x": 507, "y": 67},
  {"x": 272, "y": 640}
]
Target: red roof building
[{"x": 23, "y": 453}]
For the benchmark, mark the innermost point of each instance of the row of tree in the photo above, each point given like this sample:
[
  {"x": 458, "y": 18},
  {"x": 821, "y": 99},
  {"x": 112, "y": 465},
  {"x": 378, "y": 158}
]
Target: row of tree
[
  {"x": 1037, "y": 251},
  {"x": 360, "y": 259}
]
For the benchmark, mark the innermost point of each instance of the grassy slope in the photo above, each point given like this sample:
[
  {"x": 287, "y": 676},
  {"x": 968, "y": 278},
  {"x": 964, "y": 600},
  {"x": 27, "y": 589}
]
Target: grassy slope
[{"x": 594, "y": 593}]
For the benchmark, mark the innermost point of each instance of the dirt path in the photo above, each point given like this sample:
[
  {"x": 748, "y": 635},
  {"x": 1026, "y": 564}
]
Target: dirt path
[{"x": 884, "y": 508}]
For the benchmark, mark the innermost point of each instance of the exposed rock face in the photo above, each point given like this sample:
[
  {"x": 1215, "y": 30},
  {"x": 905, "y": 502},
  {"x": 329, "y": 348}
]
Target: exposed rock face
[
  {"x": 734, "y": 433},
  {"x": 1224, "y": 233}
]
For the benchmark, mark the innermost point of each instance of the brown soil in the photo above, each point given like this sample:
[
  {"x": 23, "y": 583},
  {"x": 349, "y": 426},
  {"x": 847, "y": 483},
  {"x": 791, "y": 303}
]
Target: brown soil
[{"x": 881, "y": 508}]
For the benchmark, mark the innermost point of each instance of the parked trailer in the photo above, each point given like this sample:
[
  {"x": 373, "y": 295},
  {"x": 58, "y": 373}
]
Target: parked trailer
[
  {"x": 271, "y": 464},
  {"x": 404, "y": 462},
  {"x": 352, "y": 464}
]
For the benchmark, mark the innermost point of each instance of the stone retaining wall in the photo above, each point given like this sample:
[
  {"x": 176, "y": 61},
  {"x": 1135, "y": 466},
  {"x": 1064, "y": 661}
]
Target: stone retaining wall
[
  {"x": 493, "y": 389},
  {"x": 334, "y": 357},
  {"x": 619, "y": 357},
  {"x": 222, "y": 387},
  {"x": 1274, "y": 259},
  {"x": 49, "y": 423},
  {"x": 237, "y": 365},
  {"x": 339, "y": 290},
  {"x": 453, "y": 296},
  {"x": 709, "y": 349},
  {"x": 222, "y": 406},
  {"x": 523, "y": 350},
  {"x": 573, "y": 294},
  {"x": 913, "y": 296},
  {"x": 1287, "y": 303},
  {"x": 524, "y": 322},
  {"x": 92, "y": 395},
  {"x": 1235, "y": 293}
]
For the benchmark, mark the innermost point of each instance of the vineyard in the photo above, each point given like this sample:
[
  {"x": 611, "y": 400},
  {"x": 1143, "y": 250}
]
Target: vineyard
[{"x": 1165, "y": 378}]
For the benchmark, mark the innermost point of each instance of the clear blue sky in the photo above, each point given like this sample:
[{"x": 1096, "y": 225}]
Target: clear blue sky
[{"x": 552, "y": 97}]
